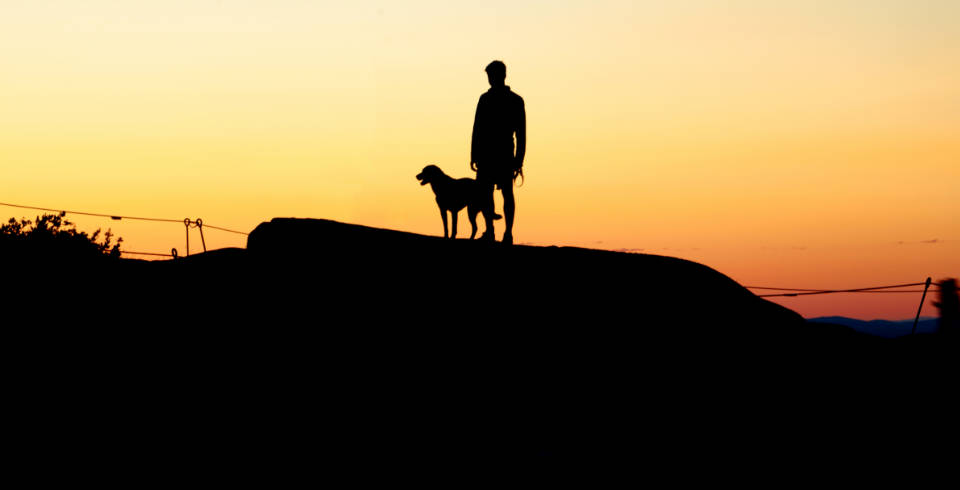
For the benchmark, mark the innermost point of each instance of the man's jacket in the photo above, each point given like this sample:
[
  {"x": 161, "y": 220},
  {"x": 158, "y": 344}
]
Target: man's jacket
[{"x": 500, "y": 114}]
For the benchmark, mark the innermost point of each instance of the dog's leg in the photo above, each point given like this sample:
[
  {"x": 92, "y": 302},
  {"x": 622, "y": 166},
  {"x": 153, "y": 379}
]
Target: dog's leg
[
  {"x": 472, "y": 215},
  {"x": 453, "y": 222},
  {"x": 443, "y": 216}
]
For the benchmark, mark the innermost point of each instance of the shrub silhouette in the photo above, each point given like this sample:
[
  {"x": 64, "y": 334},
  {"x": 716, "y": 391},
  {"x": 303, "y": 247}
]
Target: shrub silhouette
[{"x": 52, "y": 234}]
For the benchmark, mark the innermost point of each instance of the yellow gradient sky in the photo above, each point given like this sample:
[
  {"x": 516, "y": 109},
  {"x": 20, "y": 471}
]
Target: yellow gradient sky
[{"x": 811, "y": 144}]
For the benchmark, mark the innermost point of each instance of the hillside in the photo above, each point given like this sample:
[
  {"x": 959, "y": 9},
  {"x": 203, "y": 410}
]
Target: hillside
[
  {"x": 367, "y": 276},
  {"x": 344, "y": 280},
  {"x": 325, "y": 341},
  {"x": 444, "y": 283}
]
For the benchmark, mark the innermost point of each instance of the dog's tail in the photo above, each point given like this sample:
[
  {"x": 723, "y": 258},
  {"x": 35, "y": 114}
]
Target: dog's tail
[{"x": 496, "y": 216}]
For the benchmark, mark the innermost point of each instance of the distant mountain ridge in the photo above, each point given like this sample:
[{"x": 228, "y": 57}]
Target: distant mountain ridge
[{"x": 889, "y": 329}]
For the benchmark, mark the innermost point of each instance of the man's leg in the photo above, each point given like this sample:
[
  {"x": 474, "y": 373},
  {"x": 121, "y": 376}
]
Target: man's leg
[
  {"x": 487, "y": 210},
  {"x": 508, "y": 210}
]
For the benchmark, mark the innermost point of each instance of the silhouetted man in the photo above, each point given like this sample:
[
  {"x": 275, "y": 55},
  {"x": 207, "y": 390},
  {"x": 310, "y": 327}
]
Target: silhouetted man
[{"x": 500, "y": 115}]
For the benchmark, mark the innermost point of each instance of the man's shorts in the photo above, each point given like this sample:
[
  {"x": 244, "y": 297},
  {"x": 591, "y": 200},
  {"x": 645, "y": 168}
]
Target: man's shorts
[{"x": 497, "y": 172}]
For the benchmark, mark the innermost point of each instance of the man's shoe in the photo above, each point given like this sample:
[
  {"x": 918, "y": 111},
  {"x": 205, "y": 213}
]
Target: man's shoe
[
  {"x": 487, "y": 237},
  {"x": 507, "y": 239}
]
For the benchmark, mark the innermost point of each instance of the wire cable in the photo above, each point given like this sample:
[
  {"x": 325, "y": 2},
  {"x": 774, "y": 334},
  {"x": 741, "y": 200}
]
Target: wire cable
[
  {"x": 117, "y": 217},
  {"x": 807, "y": 292},
  {"x": 225, "y": 229},
  {"x": 111, "y": 216},
  {"x": 145, "y": 253}
]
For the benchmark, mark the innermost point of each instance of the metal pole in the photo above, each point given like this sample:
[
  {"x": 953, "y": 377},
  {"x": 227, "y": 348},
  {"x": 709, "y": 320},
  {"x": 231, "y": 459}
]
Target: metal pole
[
  {"x": 922, "y": 299},
  {"x": 186, "y": 224},
  {"x": 199, "y": 223}
]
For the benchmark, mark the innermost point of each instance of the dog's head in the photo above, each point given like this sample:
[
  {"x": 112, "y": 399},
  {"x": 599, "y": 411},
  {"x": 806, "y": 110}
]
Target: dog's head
[{"x": 429, "y": 174}]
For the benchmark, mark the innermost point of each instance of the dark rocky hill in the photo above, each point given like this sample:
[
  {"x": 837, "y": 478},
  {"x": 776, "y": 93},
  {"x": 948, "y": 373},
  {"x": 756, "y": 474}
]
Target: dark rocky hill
[
  {"x": 341, "y": 279},
  {"x": 329, "y": 345}
]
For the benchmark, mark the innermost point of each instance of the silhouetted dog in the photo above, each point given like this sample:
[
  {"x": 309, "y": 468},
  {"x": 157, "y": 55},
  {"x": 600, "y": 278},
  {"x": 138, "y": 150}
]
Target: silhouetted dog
[{"x": 453, "y": 195}]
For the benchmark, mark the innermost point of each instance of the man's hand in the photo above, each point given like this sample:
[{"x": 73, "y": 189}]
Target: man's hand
[{"x": 473, "y": 166}]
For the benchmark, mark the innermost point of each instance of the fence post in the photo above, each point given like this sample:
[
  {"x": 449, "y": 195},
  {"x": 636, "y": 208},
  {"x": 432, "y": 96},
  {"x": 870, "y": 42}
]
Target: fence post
[{"x": 922, "y": 299}]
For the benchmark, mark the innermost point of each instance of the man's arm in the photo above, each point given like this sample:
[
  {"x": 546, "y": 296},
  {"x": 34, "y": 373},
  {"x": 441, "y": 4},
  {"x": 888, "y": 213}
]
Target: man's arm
[
  {"x": 475, "y": 139},
  {"x": 521, "y": 136}
]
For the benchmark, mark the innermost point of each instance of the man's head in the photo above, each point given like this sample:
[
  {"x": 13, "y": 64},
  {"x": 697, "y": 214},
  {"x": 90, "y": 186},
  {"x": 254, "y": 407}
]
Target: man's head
[{"x": 496, "y": 73}]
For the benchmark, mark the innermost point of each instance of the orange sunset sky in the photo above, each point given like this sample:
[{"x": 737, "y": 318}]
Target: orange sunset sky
[{"x": 807, "y": 144}]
